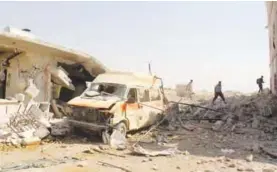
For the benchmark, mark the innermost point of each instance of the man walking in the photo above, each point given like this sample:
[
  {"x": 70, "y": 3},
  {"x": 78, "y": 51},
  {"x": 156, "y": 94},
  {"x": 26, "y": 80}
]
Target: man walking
[
  {"x": 218, "y": 92},
  {"x": 260, "y": 82},
  {"x": 189, "y": 89}
]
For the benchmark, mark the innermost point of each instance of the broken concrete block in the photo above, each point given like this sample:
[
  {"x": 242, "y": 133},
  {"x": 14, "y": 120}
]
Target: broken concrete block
[
  {"x": 27, "y": 134},
  {"x": 255, "y": 123},
  {"x": 118, "y": 141},
  {"x": 30, "y": 141},
  {"x": 249, "y": 158},
  {"x": 60, "y": 127},
  {"x": 217, "y": 125},
  {"x": 32, "y": 90},
  {"x": 41, "y": 132}
]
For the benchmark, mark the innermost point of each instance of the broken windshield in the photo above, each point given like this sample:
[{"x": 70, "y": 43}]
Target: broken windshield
[{"x": 108, "y": 88}]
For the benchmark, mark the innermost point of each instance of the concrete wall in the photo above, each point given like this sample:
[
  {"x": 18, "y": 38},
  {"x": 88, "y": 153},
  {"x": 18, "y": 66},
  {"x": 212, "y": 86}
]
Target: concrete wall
[
  {"x": 27, "y": 66},
  {"x": 272, "y": 34}
]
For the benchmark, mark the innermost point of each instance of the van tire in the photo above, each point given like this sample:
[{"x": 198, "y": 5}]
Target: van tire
[
  {"x": 122, "y": 128},
  {"x": 105, "y": 137}
]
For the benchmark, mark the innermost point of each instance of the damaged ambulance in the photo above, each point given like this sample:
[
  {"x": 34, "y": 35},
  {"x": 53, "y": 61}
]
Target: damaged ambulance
[{"x": 118, "y": 100}]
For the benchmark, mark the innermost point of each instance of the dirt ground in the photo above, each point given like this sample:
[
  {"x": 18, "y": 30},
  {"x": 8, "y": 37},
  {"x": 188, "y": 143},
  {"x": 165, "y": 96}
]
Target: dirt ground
[{"x": 204, "y": 152}]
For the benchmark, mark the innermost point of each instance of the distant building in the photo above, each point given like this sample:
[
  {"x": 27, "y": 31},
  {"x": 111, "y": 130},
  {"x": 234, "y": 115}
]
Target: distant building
[{"x": 271, "y": 8}]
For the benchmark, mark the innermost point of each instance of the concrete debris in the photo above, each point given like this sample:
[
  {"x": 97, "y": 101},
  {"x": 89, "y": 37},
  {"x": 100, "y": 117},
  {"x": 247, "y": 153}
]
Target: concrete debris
[
  {"x": 30, "y": 141},
  {"x": 60, "y": 127},
  {"x": 249, "y": 158},
  {"x": 241, "y": 113},
  {"x": 113, "y": 166},
  {"x": 217, "y": 125},
  {"x": 40, "y": 163},
  {"x": 118, "y": 141},
  {"x": 28, "y": 123},
  {"x": 41, "y": 132},
  {"x": 32, "y": 90},
  {"x": 269, "y": 170},
  {"x": 137, "y": 149},
  {"x": 227, "y": 151}
]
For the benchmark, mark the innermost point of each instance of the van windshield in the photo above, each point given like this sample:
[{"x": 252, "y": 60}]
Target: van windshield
[{"x": 110, "y": 88}]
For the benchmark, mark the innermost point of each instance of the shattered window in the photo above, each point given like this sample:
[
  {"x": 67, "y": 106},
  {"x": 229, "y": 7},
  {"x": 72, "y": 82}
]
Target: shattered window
[
  {"x": 155, "y": 94},
  {"x": 132, "y": 94},
  {"x": 144, "y": 95},
  {"x": 113, "y": 89}
]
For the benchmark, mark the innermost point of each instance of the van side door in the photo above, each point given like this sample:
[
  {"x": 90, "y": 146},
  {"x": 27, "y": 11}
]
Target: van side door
[
  {"x": 133, "y": 109},
  {"x": 144, "y": 100},
  {"x": 157, "y": 103}
]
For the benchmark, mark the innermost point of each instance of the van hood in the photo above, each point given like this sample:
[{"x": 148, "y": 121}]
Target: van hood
[{"x": 94, "y": 102}]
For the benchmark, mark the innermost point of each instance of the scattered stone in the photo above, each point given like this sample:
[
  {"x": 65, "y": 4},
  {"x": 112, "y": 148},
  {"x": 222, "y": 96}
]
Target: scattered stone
[
  {"x": 232, "y": 166},
  {"x": 227, "y": 151},
  {"x": 249, "y": 170},
  {"x": 249, "y": 158},
  {"x": 256, "y": 148},
  {"x": 268, "y": 170},
  {"x": 255, "y": 123},
  {"x": 31, "y": 141},
  {"x": 88, "y": 151},
  {"x": 60, "y": 127},
  {"x": 42, "y": 132},
  {"x": 228, "y": 159},
  {"x": 82, "y": 164},
  {"x": 217, "y": 125},
  {"x": 118, "y": 141},
  {"x": 240, "y": 169},
  {"x": 186, "y": 153},
  {"x": 178, "y": 167},
  {"x": 155, "y": 167},
  {"x": 146, "y": 159},
  {"x": 103, "y": 147}
]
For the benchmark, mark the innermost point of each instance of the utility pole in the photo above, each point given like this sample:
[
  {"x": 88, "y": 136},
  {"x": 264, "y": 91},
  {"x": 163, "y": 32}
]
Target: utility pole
[{"x": 149, "y": 68}]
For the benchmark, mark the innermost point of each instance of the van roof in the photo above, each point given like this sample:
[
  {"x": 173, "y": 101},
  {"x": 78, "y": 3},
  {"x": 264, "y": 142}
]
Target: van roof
[{"x": 128, "y": 78}]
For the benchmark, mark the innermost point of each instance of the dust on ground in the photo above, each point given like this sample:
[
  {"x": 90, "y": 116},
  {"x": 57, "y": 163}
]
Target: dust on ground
[{"x": 236, "y": 142}]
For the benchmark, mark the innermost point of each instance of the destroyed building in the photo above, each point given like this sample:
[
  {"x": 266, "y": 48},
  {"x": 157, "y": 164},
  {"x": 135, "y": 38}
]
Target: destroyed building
[{"x": 39, "y": 72}]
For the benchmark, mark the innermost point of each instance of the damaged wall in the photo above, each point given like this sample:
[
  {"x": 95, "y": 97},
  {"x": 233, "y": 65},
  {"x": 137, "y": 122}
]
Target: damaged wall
[
  {"x": 30, "y": 66},
  {"x": 272, "y": 30}
]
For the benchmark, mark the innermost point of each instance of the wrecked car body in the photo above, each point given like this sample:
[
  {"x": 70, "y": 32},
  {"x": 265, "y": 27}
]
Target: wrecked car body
[{"x": 118, "y": 100}]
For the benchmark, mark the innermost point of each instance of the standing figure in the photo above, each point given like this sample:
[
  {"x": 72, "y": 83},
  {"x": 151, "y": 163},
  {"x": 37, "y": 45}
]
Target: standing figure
[
  {"x": 189, "y": 89},
  {"x": 260, "y": 82},
  {"x": 218, "y": 92}
]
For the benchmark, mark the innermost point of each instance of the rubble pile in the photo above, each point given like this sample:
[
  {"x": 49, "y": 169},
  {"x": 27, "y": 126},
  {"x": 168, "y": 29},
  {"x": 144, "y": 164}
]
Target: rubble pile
[
  {"x": 26, "y": 127},
  {"x": 241, "y": 112}
]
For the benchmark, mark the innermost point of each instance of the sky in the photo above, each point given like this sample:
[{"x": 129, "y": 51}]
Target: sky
[{"x": 203, "y": 41}]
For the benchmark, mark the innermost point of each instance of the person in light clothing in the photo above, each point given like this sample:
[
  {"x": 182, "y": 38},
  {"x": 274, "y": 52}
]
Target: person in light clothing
[{"x": 218, "y": 92}]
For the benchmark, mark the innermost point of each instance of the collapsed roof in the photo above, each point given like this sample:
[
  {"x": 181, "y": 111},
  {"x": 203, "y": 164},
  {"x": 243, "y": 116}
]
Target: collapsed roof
[{"x": 16, "y": 40}]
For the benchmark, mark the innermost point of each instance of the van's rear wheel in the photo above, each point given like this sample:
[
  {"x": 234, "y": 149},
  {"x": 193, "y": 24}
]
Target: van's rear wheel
[{"x": 122, "y": 128}]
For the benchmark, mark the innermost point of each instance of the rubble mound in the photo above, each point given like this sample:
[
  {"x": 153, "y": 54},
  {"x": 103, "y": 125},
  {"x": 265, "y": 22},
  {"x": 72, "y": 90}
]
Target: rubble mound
[{"x": 256, "y": 111}]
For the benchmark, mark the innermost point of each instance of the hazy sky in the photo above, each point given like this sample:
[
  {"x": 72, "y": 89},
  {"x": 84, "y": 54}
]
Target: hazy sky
[{"x": 204, "y": 41}]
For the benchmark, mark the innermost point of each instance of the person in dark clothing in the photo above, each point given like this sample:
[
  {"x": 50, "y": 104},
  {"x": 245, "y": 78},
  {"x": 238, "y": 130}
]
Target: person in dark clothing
[
  {"x": 260, "y": 82},
  {"x": 218, "y": 92}
]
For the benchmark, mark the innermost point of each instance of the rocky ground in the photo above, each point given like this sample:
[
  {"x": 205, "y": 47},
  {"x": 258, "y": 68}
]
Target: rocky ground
[{"x": 240, "y": 136}]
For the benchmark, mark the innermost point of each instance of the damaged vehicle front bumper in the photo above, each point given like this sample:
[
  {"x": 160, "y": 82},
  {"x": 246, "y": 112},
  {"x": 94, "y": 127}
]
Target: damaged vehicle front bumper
[
  {"x": 88, "y": 125},
  {"x": 90, "y": 119}
]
